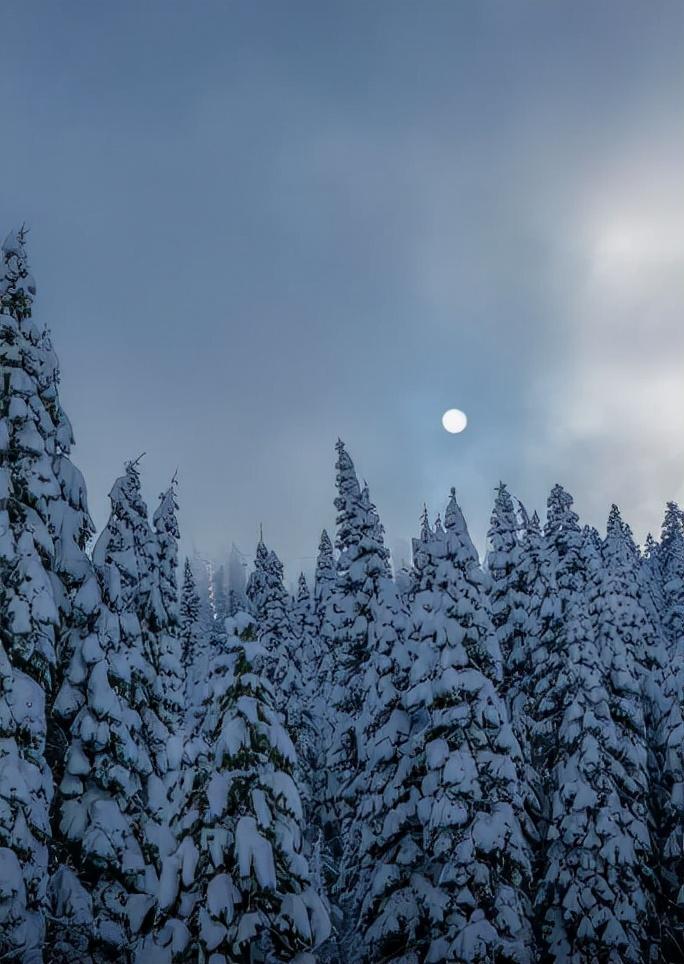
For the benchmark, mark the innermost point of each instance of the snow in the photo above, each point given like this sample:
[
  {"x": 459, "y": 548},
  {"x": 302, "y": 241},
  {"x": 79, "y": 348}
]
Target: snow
[{"x": 478, "y": 762}]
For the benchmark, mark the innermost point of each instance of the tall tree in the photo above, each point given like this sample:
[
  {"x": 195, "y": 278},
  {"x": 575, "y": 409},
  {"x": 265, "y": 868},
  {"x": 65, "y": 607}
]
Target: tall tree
[
  {"x": 189, "y": 617},
  {"x": 472, "y": 888},
  {"x": 164, "y": 621},
  {"x": 324, "y": 580},
  {"x": 127, "y": 543},
  {"x": 102, "y": 793},
  {"x": 276, "y": 632},
  {"x": 366, "y": 624},
  {"x": 591, "y": 895},
  {"x": 29, "y": 614},
  {"x": 239, "y": 876}
]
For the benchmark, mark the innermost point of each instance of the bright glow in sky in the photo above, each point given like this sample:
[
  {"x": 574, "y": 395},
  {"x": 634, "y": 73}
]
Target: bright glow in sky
[{"x": 454, "y": 421}]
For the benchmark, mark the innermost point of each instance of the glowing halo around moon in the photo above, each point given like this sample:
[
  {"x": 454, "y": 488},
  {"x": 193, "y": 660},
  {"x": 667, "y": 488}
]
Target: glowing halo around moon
[{"x": 454, "y": 420}]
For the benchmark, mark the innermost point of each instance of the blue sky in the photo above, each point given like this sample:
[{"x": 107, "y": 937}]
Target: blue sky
[{"x": 258, "y": 226}]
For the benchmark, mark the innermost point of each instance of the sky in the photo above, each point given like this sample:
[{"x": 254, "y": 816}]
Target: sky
[{"x": 256, "y": 227}]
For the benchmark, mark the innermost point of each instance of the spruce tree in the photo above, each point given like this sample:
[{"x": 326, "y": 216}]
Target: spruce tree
[
  {"x": 591, "y": 896},
  {"x": 272, "y": 608},
  {"x": 127, "y": 544},
  {"x": 30, "y": 597},
  {"x": 194, "y": 645},
  {"x": 102, "y": 793},
  {"x": 324, "y": 580},
  {"x": 166, "y": 649},
  {"x": 239, "y": 877},
  {"x": 472, "y": 899},
  {"x": 366, "y": 624},
  {"x": 189, "y": 618},
  {"x": 503, "y": 564}
]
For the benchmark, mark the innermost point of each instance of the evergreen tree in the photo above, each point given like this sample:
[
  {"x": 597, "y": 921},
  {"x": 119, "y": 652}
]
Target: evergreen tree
[
  {"x": 324, "y": 581},
  {"x": 272, "y": 609},
  {"x": 189, "y": 618},
  {"x": 591, "y": 895},
  {"x": 671, "y": 571},
  {"x": 30, "y": 596},
  {"x": 102, "y": 792},
  {"x": 167, "y": 652},
  {"x": 194, "y": 646},
  {"x": 239, "y": 877},
  {"x": 127, "y": 544},
  {"x": 366, "y": 624},
  {"x": 469, "y": 890},
  {"x": 503, "y": 564},
  {"x": 669, "y": 805}
]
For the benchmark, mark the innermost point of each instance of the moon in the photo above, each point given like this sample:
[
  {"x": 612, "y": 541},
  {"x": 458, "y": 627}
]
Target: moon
[{"x": 454, "y": 420}]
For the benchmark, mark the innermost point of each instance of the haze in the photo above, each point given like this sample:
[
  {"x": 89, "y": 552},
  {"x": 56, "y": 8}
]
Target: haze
[{"x": 256, "y": 227}]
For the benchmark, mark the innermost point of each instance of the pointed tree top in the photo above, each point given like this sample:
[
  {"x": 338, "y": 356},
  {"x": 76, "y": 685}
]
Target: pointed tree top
[
  {"x": 165, "y": 518},
  {"x": 672, "y": 524},
  {"x": 453, "y": 517},
  {"x": 425, "y": 531},
  {"x": 17, "y": 285},
  {"x": 302, "y": 588},
  {"x": 614, "y": 526},
  {"x": 559, "y": 512}
]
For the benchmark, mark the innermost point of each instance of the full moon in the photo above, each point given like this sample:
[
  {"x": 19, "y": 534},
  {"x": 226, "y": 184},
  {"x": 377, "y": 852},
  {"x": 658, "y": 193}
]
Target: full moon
[{"x": 454, "y": 420}]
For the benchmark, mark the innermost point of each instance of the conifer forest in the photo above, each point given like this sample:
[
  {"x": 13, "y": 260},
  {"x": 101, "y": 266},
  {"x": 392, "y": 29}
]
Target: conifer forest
[{"x": 464, "y": 760}]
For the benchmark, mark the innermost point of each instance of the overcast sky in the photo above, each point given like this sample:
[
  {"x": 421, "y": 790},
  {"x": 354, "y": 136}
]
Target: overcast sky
[{"x": 258, "y": 226}]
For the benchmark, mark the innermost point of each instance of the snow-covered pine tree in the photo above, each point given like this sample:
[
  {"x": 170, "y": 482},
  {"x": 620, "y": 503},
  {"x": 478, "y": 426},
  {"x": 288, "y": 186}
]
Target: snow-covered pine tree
[
  {"x": 324, "y": 580},
  {"x": 164, "y": 618},
  {"x": 194, "y": 638},
  {"x": 29, "y": 614},
  {"x": 272, "y": 608},
  {"x": 127, "y": 544},
  {"x": 394, "y": 915},
  {"x": 470, "y": 888},
  {"x": 239, "y": 877},
  {"x": 590, "y": 895},
  {"x": 189, "y": 618},
  {"x": 629, "y": 614},
  {"x": 537, "y": 589},
  {"x": 503, "y": 564},
  {"x": 633, "y": 655},
  {"x": 669, "y": 805},
  {"x": 671, "y": 570},
  {"x": 102, "y": 795},
  {"x": 366, "y": 623},
  {"x": 308, "y": 657},
  {"x": 324, "y": 584}
]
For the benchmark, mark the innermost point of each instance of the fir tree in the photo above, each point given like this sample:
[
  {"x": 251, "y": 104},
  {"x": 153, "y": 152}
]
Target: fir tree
[
  {"x": 102, "y": 793},
  {"x": 503, "y": 564},
  {"x": 471, "y": 895},
  {"x": 324, "y": 581},
  {"x": 167, "y": 652},
  {"x": 366, "y": 624},
  {"x": 189, "y": 617},
  {"x": 272, "y": 609},
  {"x": 239, "y": 877},
  {"x": 671, "y": 571},
  {"x": 29, "y": 613},
  {"x": 590, "y": 897},
  {"x": 126, "y": 543}
]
